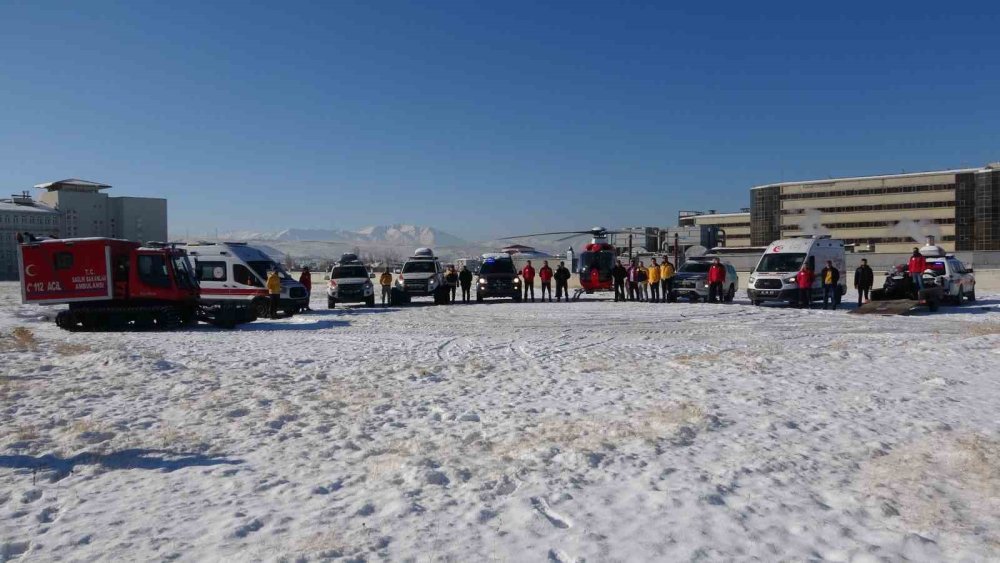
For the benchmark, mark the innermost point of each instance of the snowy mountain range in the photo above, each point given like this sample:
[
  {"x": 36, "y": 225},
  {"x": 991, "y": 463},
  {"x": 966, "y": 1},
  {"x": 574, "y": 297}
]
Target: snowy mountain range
[{"x": 393, "y": 235}]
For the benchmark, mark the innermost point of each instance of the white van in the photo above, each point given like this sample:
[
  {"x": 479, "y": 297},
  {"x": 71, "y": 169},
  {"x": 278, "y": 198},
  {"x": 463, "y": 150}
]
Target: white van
[
  {"x": 235, "y": 271},
  {"x": 773, "y": 279}
]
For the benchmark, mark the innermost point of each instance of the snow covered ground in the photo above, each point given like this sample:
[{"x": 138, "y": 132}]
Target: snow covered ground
[{"x": 554, "y": 432}]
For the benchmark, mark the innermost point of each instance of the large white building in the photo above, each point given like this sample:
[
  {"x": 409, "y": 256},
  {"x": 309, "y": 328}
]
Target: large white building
[
  {"x": 86, "y": 211},
  {"x": 77, "y": 208}
]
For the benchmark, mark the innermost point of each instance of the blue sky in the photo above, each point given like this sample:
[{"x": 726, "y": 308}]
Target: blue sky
[{"x": 485, "y": 119}]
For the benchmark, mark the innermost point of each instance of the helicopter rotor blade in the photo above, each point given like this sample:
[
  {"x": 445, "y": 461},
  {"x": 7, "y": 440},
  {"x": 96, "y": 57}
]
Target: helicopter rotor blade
[
  {"x": 574, "y": 233},
  {"x": 563, "y": 239}
]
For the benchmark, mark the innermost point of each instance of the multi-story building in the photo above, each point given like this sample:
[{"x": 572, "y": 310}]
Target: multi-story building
[
  {"x": 86, "y": 211},
  {"x": 890, "y": 213},
  {"x": 77, "y": 208},
  {"x": 734, "y": 227},
  {"x": 21, "y": 214}
]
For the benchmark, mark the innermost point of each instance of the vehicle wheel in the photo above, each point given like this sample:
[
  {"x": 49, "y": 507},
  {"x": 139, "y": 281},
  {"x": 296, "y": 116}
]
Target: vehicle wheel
[
  {"x": 290, "y": 311},
  {"x": 694, "y": 297},
  {"x": 755, "y": 303},
  {"x": 479, "y": 298},
  {"x": 370, "y": 302},
  {"x": 517, "y": 298},
  {"x": 331, "y": 303},
  {"x": 731, "y": 295},
  {"x": 971, "y": 296},
  {"x": 262, "y": 307},
  {"x": 961, "y": 296}
]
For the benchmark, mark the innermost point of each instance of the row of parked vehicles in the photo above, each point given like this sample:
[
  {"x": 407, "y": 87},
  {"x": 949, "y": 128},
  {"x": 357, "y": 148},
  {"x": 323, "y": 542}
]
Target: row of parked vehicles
[{"x": 110, "y": 283}]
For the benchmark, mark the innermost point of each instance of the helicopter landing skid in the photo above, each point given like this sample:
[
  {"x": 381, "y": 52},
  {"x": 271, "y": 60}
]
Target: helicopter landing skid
[{"x": 578, "y": 293}]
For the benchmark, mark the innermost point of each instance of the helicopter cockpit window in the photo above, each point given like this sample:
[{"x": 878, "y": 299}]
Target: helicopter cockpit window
[{"x": 602, "y": 261}]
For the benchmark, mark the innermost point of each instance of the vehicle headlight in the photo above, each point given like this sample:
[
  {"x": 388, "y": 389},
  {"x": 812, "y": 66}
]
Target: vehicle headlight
[
  {"x": 399, "y": 282},
  {"x": 482, "y": 280},
  {"x": 790, "y": 280},
  {"x": 431, "y": 282},
  {"x": 752, "y": 279},
  {"x": 517, "y": 281}
]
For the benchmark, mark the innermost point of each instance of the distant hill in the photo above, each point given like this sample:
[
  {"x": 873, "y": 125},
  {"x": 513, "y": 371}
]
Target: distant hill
[{"x": 390, "y": 235}]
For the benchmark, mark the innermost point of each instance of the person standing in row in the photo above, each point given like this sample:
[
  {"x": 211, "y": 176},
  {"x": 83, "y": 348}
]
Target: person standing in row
[
  {"x": 830, "y": 277},
  {"x": 273, "y": 292},
  {"x": 528, "y": 275},
  {"x": 465, "y": 280},
  {"x": 654, "y": 282},
  {"x": 917, "y": 265},
  {"x": 306, "y": 279},
  {"x": 667, "y": 278},
  {"x": 385, "y": 281},
  {"x": 804, "y": 281},
  {"x": 716, "y": 279},
  {"x": 864, "y": 279},
  {"x": 545, "y": 275},
  {"x": 643, "y": 286},
  {"x": 451, "y": 280},
  {"x": 633, "y": 281},
  {"x": 618, "y": 276},
  {"x": 562, "y": 276}
]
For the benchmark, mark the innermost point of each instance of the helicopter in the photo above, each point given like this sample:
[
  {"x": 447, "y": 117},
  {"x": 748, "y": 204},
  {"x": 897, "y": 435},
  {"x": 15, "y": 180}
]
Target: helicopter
[{"x": 597, "y": 258}]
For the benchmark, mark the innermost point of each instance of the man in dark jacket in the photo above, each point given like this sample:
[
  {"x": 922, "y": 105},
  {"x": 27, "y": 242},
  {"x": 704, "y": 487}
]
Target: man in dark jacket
[
  {"x": 829, "y": 277},
  {"x": 562, "y": 276},
  {"x": 545, "y": 275},
  {"x": 465, "y": 280},
  {"x": 618, "y": 275},
  {"x": 864, "y": 279},
  {"x": 451, "y": 280}
]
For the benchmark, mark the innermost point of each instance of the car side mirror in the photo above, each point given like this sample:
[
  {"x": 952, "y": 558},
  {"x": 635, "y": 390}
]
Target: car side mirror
[
  {"x": 326, "y": 278},
  {"x": 969, "y": 270},
  {"x": 372, "y": 275}
]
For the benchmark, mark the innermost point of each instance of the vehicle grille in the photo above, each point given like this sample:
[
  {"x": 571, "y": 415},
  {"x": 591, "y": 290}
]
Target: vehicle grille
[
  {"x": 687, "y": 283},
  {"x": 768, "y": 283},
  {"x": 297, "y": 292},
  {"x": 501, "y": 285},
  {"x": 416, "y": 286},
  {"x": 351, "y": 288}
]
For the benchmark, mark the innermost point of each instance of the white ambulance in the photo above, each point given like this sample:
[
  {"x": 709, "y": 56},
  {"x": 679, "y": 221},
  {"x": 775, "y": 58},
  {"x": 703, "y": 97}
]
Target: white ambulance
[
  {"x": 235, "y": 271},
  {"x": 774, "y": 277}
]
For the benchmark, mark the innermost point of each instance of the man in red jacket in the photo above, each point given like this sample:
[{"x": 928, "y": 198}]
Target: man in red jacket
[
  {"x": 716, "y": 278},
  {"x": 804, "y": 281},
  {"x": 528, "y": 275},
  {"x": 917, "y": 266},
  {"x": 545, "y": 275}
]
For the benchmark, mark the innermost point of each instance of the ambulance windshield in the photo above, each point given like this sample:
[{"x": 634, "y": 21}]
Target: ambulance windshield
[{"x": 781, "y": 262}]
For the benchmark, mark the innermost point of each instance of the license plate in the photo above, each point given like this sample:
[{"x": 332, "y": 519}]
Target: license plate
[{"x": 769, "y": 292}]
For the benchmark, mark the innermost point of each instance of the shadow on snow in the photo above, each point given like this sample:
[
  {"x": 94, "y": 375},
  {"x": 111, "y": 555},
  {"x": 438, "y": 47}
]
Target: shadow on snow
[{"x": 153, "y": 460}]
